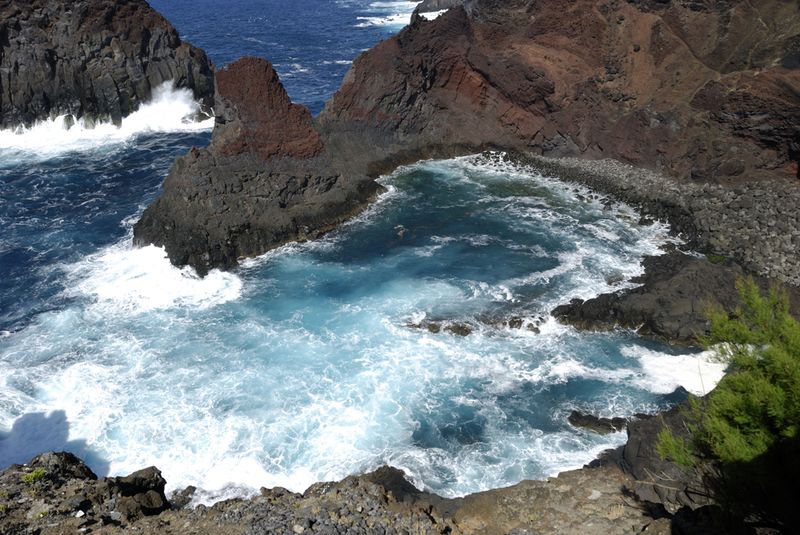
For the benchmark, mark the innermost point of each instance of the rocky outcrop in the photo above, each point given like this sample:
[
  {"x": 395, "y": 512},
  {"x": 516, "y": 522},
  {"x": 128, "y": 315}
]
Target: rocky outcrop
[
  {"x": 93, "y": 59},
  {"x": 703, "y": 92},
  {"x": 671, "y": 303},
  {"x": 257, "y": 116},
  {"x": 60, "y": 486},
  {"x": 267, "y": 178},
  {"x": 600, "y": 425},
  {"x": 661, "y": 481}
]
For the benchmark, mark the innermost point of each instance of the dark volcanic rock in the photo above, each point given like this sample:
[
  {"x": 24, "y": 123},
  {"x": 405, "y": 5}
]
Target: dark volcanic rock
[
  {"x": 658, "y": 480},
  {"x": 382, "y": 501},
  {"x": 429, "y": 6},
  {"x": 140, "y": 493},
  {"x": 267, "y": 178},
  {"x": 98, "y": 59},
  {"x": 599, "y": 425},
  {"x": 60, "y": 487},
  {"x": 671, "y": 303},
  {"x": 702, "y": 94}
]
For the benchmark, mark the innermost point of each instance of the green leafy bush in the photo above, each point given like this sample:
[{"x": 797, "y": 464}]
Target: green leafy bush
[
  {"x": 749, "y": 423},
  {"x": 32, "y": 477},
  {"x": 758, "y": 402}
]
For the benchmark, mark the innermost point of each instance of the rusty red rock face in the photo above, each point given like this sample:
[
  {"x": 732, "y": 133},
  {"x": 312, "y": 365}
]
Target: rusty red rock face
[{"x": 256, "y": 115}]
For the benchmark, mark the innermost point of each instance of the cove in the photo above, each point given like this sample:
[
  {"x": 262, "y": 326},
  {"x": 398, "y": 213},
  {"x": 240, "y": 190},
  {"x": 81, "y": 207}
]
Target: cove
[{"x": 319, "y": 360}]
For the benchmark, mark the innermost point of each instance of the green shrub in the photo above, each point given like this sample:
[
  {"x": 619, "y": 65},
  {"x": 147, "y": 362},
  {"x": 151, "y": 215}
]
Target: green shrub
[
  {"x": 674, "y": 448},
  {"x": 749, "y": 423},
  {"x": 758, "y": 402},
  {"x": 32, "y": 477},
  {"x": 716, "y": 258}
]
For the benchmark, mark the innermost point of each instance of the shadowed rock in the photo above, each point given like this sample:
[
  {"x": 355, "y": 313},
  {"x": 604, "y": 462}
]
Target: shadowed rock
[{"x": 95, "y": 59}]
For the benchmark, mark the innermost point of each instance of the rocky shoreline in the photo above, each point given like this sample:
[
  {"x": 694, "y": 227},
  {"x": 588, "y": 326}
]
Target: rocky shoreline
[
  {"x": 642, "y": 82},
  {"x": 55, "y": 494},
  {"x": 721, "y": 115},
  {"x": 753, "y": 223}
]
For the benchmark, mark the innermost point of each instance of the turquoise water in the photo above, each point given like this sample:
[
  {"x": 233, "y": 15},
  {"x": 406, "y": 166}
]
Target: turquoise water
[{"x": 317, "y": 360}]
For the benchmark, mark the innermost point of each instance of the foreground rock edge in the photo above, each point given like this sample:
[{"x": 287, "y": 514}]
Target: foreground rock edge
[{"x": 55, "y": 493}]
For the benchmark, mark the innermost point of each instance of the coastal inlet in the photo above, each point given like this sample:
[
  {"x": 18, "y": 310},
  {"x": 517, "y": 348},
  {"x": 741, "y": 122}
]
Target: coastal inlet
[{"x": 417, "y": 335}]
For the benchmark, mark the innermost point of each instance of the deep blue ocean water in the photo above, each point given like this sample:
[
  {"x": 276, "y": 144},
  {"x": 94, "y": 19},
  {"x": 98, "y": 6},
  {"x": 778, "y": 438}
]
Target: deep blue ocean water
[{"x": 314, "y": 361}]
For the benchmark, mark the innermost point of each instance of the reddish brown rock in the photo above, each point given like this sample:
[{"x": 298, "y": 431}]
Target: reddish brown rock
[
  {"x": 704, "y": 91},
  {"x": 266, "y": 179},
  {"x": 698, "y": 90},
  {"x": 257, "y": 115}
]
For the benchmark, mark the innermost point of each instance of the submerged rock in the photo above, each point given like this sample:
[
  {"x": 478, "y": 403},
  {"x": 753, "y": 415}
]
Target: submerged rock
[
  {"x": 597, "y": 424},
  {"x": 94, "y": 59},
  {"x": 452, "y": 327}
]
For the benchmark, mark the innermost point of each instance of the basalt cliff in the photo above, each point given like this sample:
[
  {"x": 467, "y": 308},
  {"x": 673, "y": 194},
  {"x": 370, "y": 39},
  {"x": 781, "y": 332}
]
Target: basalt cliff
[
  {"x": 703, "y": 92},
  {"x": 92, "y": 59}
]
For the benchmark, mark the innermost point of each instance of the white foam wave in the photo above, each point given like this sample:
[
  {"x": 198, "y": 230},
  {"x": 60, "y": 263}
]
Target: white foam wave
[
  {"x": 698, "y": 373},
  {"x": 142, "y": 279},
  {"x": 395, "y": 19},
  {"x": 170, "y": 110},
  {"x": 430, "y": 15}
]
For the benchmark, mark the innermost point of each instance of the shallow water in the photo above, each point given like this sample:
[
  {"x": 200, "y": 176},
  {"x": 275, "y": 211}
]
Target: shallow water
[{"x": 314, "y": 361}]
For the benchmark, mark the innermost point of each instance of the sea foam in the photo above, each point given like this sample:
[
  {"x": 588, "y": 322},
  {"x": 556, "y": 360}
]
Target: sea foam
[
  {"x": 170, "y": 110},
  {"x": 131, "y": 279},
  {"x": 313, "y": 362}
]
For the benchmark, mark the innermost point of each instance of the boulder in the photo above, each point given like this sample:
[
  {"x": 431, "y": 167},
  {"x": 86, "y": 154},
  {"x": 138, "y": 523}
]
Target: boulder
[{"x": 599, "y": 425}]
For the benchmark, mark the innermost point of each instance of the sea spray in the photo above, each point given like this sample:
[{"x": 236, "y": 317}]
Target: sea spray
[{"x": 169, "y": 110}]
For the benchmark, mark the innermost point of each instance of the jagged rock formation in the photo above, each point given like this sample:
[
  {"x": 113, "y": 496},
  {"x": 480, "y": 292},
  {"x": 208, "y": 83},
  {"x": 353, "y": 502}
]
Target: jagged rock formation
[
  {"x": 702, "y": 91},
  {"x": 267, "y": 178},
  {"x": 705, "y": 92},
  {"x": 96, "y": 59},
  {"x": 61, "y": 485},
  {"x": 672, "y": 301}
]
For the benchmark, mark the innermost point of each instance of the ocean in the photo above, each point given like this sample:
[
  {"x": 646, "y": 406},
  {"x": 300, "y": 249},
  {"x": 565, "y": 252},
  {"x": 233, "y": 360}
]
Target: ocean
[{"x": 417, "y": 335}]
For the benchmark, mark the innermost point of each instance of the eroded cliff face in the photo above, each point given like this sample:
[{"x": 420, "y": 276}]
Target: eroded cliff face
[
  {"x": 701, "y": 91},
  {"x": 96, "y": 59}
]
